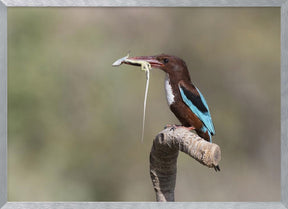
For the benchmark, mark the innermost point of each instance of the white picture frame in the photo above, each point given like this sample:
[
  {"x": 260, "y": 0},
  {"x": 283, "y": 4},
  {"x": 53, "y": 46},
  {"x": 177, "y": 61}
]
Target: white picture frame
[{"x": 5, "y": 4}]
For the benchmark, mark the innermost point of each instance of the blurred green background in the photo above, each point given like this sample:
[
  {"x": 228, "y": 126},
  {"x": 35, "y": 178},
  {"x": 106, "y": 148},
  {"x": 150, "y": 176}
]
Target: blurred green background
[{"x": 74, "y": 121}]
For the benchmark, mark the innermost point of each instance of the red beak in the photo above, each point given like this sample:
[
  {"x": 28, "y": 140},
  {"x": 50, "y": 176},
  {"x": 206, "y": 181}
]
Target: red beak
[{"x": 151, "y": 59}]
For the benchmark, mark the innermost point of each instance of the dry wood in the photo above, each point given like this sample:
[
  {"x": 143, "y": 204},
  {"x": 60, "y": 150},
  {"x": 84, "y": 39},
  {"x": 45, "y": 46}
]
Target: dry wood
[{"x": 164, "y": 153}]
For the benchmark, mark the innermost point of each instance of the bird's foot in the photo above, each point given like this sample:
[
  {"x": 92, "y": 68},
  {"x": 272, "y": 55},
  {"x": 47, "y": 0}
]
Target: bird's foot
[
  {"x": 168, "y": 126},
  {"x": 191, "y": 128},
  {"x": 173, "y": 127}
]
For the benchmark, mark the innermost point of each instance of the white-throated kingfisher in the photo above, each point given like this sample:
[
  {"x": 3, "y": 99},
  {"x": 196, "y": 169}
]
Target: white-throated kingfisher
[{"x": 184, "y": 99}]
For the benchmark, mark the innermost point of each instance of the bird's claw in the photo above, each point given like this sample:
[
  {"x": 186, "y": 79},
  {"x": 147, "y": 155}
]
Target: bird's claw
[{"x": 172, "y": 127}]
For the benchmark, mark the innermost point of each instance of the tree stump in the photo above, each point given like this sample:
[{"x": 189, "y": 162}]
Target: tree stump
[{"x": 164, "y": 153}]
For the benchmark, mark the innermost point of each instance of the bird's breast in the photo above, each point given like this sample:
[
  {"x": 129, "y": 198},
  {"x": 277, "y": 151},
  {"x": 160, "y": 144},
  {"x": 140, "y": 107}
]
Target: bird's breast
[{"x": 169, "y": 92}]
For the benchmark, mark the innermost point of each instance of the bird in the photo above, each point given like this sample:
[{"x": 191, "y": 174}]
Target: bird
[{"x": 184, "y": 98}]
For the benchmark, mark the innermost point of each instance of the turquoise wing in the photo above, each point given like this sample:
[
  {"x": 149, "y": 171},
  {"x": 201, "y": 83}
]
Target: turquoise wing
[{"x": 197, "y": 103}]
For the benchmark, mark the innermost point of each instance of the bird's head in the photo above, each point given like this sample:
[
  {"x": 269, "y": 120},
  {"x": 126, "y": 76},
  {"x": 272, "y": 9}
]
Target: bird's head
[{"x": 168, "y": 63}]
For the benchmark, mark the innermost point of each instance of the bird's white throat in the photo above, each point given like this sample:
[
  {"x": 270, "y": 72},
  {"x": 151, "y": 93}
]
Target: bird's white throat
[{"x": 169, "y": 91}]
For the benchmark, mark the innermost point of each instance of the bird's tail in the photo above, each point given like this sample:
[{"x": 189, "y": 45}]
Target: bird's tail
[
  {"x": 205, "y": 134},
  {"x": 210, "y": 137}
]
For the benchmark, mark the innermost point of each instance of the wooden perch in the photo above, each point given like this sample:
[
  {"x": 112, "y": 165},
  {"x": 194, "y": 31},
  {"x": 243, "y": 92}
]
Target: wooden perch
[{"x": 164, "y": 153}]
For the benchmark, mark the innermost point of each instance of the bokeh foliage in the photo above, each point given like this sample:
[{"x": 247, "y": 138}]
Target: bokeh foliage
[{"x": 74, "y": 122}]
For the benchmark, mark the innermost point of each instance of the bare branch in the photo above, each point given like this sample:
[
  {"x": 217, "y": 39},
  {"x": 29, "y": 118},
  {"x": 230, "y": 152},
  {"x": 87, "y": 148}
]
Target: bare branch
[{"x": 164, "y": 153}]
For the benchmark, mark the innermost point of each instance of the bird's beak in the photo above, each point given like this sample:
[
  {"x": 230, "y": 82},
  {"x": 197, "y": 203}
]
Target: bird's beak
[{"x": 152, "y": 60}]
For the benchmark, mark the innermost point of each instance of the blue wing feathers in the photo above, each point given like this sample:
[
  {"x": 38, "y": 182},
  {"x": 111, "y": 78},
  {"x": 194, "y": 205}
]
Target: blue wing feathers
[{"x": 199, "y": 107}]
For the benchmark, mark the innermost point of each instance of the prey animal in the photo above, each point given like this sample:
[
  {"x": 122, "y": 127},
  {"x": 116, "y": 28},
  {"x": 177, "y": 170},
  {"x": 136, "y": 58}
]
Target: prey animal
[{"x": 145, "y": 66}]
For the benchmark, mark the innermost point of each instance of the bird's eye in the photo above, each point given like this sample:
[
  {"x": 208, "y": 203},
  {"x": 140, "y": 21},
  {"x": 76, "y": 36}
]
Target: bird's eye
[{"x": 166, "y": 60}]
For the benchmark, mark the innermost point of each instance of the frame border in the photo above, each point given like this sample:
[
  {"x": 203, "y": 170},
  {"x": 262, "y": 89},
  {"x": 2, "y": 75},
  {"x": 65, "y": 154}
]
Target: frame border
[{"x": 4, "y": 4}]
